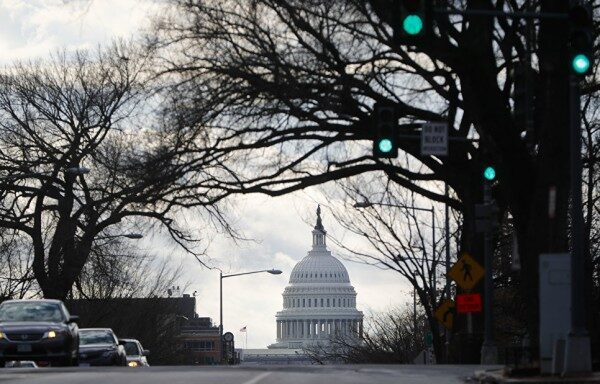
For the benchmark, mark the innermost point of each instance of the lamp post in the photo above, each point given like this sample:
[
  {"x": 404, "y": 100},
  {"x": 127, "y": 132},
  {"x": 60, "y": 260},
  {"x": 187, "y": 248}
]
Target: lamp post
[{"x": 221, "y": 277}]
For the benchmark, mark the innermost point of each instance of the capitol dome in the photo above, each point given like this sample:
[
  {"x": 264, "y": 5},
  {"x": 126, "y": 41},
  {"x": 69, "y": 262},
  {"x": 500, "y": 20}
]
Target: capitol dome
[{"x": 319, "y": 301}]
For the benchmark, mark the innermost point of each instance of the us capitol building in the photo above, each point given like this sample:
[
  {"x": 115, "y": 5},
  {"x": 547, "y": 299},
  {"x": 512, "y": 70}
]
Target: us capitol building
[{"x": 319, "y": 302}]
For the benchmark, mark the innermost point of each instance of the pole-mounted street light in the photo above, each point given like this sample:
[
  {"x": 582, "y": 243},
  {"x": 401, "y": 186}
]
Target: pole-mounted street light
[
  {"x": 221, "y": 277},
  {"x": 77, "y": 170}
]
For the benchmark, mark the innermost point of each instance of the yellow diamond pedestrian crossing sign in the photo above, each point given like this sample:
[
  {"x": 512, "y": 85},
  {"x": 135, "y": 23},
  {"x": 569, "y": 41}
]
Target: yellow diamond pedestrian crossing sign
[
  {"x": 466, "y": 272},
  {"x": 445, "y": 313}
]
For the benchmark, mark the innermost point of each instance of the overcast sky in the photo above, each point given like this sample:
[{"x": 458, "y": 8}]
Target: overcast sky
[{"x": 34, "y": 28}]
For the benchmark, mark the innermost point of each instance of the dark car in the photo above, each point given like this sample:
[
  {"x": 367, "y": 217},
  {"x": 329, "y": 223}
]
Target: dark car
[
  {"x": 39, "y": 330},
  {"x": 100, "y": 346},
  {"x": 136, "y": 355}
]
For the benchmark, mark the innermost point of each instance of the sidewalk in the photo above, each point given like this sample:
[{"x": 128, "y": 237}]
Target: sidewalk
[{"x": 497, "y": 376}]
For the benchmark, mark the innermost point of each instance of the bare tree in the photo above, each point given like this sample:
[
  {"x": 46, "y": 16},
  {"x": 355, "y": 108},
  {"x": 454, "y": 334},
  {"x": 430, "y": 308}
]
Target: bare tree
[
  {"x": 93, "y": 110},
  {"x": 118, "y": 270},
  {"x": 16, "y": 279},
  {"x": 389, "y": 337}
]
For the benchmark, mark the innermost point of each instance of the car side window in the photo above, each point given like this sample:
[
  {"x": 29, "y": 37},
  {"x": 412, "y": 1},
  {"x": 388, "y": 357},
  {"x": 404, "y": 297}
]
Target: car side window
[{"x": 65, "y": 311}]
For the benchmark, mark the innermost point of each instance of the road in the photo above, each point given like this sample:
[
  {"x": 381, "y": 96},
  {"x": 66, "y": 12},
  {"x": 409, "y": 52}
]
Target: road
[{"x": 341, "y": 374}]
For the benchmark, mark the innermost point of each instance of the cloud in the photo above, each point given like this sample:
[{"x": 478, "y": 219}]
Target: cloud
[{"x": 33, "y": 28}]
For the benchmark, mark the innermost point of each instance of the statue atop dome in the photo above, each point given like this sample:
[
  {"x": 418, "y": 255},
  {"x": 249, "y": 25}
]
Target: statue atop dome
[
  {"x": 319, "y": 232},
  {"x": 319, "y": 223}
]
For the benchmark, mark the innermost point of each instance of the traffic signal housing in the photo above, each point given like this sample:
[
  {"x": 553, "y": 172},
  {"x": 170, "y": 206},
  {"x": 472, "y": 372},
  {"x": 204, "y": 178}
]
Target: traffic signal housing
[
  {"x": 486, "y": 217},
  {"x": 385, "y": 143},
  {"x": 581, "y": 40},
  {"x": 523, "y": 101},
  {"x": 411, "y": 20}
]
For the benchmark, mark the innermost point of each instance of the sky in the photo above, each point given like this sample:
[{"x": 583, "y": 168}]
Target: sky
[{"x": 281, "y": 227}]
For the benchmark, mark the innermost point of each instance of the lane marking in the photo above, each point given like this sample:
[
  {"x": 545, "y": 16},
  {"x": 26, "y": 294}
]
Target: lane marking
[{"x": 257, "y": 378}]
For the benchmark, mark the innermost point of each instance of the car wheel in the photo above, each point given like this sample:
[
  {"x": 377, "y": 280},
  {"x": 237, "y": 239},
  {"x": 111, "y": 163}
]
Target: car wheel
[{"x": 2, "y": 363}]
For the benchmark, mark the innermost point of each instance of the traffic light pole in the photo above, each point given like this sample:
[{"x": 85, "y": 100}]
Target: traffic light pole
[
  {"x": 578, "y": 358},
  {"x": 489, "y": 351}
]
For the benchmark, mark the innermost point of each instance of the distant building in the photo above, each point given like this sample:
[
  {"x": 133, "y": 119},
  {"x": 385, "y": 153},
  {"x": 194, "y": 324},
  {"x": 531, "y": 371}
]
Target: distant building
[
  {"x": 319, "y": 301},
  {"x": 200, "y": 340}
]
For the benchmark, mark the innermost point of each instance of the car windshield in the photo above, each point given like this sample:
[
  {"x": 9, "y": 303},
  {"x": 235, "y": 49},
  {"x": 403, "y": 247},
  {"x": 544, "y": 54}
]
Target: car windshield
[
  {"x": 96, "y": 337},
  {"x": 30, "y": 311},
  {"x": 131, "y": 348}
]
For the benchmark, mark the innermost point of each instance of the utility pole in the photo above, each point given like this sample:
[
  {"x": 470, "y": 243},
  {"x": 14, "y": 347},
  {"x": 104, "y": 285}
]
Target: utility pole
[
  {"x": 577, "y": 349},
  {"x": 489, "y": 351},
  {"x": 448, "y": 332},
  {"x": 578, "y": 357}
]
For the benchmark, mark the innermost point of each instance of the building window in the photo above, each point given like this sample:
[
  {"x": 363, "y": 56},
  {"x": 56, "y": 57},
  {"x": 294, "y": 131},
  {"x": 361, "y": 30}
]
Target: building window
[
  {"x": 199, "y": 345},
  {"x": 303, "y": 303},
  {"x": 309, "y": 303},
  {"x": 339, "y": 302},
  {"x": 328, "y": 302},
  {"x": 321, "y": 302},
  {"x": 333, "y": 302},
  {"x": 315, "y": 302},
  {"x": 344, "y": 302}
]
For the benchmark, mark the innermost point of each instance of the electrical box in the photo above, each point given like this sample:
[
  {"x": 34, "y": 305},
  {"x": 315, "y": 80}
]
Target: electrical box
[{"x": 555, "y": 308}]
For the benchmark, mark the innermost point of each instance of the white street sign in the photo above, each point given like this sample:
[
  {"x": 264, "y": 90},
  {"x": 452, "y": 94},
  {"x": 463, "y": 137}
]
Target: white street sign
[{"x": 434, "y": 139}]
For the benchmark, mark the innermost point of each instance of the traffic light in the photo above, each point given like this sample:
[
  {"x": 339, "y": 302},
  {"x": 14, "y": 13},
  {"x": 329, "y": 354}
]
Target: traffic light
[
  {"x": 522, "y": 76},
  {"x": 581, "y": 40},
  {"x": 385, "y": 144},
  {"x": 489, "y": 173},
  {"x": 411, "y": 20}
]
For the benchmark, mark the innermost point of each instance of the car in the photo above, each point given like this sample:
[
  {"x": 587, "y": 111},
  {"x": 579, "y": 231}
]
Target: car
[
  {"x": 21, "y": 364},
  {"x": 136, "y": 355},
  {"x": 38, "y": 330},
  {"x": 100, "y": 346}
]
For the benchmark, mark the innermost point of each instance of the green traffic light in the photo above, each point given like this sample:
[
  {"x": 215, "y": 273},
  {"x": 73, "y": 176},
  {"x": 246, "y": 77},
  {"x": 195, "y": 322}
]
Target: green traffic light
[
  {"x": 412, "y": 24},
  {"x": 581, "y": 63},
  {"x": 489, "y": 173},
  {"x": 385, "y": 145}
]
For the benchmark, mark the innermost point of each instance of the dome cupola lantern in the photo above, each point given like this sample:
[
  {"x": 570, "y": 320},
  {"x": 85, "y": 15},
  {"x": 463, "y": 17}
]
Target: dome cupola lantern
[{"x": 319, "y": 232}]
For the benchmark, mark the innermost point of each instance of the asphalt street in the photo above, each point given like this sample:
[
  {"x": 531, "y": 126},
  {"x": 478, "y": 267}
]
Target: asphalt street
[{"x": 351, "y": 374}]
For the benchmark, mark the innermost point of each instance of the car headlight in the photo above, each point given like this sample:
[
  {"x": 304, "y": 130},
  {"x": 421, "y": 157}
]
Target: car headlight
[
  {"x": 51, "y": 334},
  {"x": 132, "y": 364},
  {"x": 2, "y": 335}
]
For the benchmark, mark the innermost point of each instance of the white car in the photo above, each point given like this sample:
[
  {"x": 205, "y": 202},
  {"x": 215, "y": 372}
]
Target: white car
[
  {"x": 136, "y": 355},
  {"x": 21, "y": 364}
]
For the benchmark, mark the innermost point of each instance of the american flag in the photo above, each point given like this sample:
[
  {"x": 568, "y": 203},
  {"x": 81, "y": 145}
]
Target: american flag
[{"x": 243, "y": 329}]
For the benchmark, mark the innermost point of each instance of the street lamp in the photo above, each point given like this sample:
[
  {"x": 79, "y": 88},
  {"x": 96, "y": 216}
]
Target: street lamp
[
  {"x": 77, "y": 170},
  {"x": 221, "y": 277}
]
